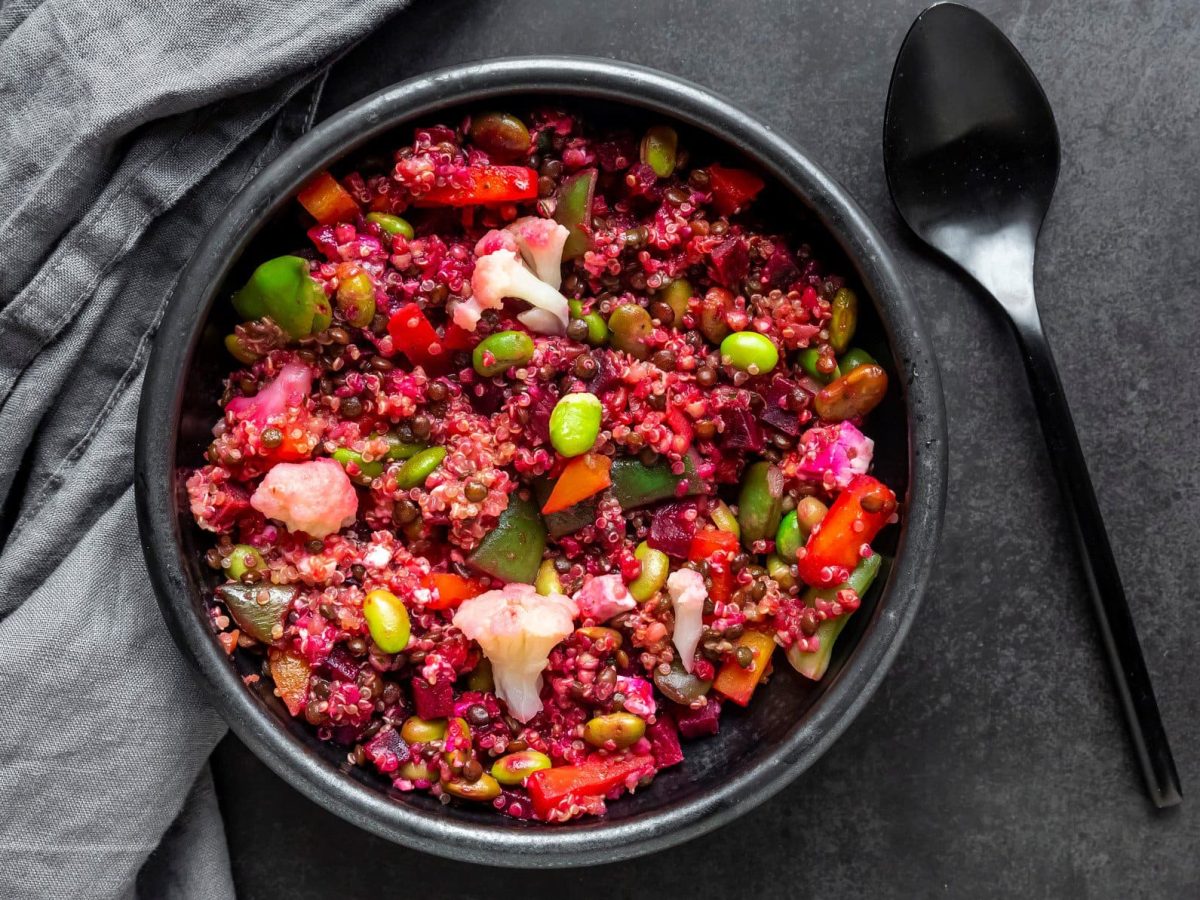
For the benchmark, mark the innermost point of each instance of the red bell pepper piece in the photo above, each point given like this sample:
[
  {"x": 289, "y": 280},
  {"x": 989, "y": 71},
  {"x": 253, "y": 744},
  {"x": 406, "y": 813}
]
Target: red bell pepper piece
[
  {"x": 717, "y": 548},
  {"x": 738, "y": 684},
  {"x": 327, "y": 201},
  {"x": 485, "y": 185},
  {"x": 415, "y": 338},
  {"x": 581, "y": 478},
  {"x": 457, "y": 338},
  {"x": 835, "y": 546},
  {"x": 450, "y": 590},
  {"x": 557, "y": 788},
  {"x": 732, "y": 189},
  {"x": 678, "y": 422}
]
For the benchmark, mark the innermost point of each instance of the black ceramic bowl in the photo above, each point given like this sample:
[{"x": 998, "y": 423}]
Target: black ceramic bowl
[{"x": 758, "y": 750}]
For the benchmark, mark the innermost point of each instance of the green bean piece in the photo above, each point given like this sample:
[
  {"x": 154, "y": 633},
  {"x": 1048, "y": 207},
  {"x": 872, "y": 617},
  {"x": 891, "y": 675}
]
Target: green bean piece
[
  {"x": 843, "y": 319},
  {"x": 656, "y": 565},
  {"x": 391, "y": 225},
  {"x": 658, "y": 150},
  {"x": 243, "y": 559},
  {"x": 788, "y": 538},
  {"x": 502, "y": 135},
  {"x": 760, "y": 503},
  {"x": 855, "y": 357},
  {"x": 387, "y": 620},
  {"x": 416, "y": 730},
  {"x": 414, "y": 472},
  {"x": 575, "y": 423},
  {"x": 513, "y": 768},
  {"x": 809, "y": 512},
  {"x": 813, "y": 664},
  {"x": 780, "y": 571},
  {"x": 356, "y": 299},
  {"x": 808, "y": 362},
  {"x": 628, "y": 328},
  {"x": 723, "y": 517},
  {"x": 676, "y": 295},
  {"x": 547, "y": 581},
  {"x": 240, "y": 351},
  {"x": 622, "y": 729},
  {"x": 750, "y": 351},
  {"x": 366, "y": 472},
  {"x": 499, "y": 352}
]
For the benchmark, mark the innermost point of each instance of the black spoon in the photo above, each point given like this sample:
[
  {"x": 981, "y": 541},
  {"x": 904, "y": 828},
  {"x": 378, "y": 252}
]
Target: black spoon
[{"x": 971, "y": 152}]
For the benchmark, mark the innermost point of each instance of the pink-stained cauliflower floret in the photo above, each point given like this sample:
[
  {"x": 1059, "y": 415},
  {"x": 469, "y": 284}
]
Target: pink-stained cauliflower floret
[
  {"x": 516, "y": 627},
  {"x": 315, "y": 497},
  {"x": 540, "y": 242},
  {"x": 603, "y": 597},
  {"x": 687, "y": 596},
  {"x": 831, "y": 455},
  {"x": 502, "y": 274},
  {"x": 639, "y": 695},
  {"x": 290, "y": 387}
]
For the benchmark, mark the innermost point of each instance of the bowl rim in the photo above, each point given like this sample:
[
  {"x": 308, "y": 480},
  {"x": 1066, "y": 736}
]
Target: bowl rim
[{"x": 602, "y": 840}]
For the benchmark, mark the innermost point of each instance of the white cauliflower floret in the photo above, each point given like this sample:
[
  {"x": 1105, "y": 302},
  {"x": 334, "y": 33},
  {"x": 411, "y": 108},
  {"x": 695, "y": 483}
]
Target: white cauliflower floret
[
  {"x": 540, "y": 242},
  {"x": 688, "y": 594},
  {"x": 603, "y": 597},
  {"x": 315, "y": 497},
  {"x": 516, "y": 627}
]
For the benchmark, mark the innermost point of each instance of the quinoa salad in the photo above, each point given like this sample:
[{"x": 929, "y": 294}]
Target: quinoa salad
[{"x": 536, "y": 458}]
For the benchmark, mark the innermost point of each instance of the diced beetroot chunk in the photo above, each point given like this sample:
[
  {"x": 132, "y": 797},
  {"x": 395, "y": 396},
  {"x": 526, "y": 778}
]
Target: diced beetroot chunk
[
  {"x": 694, "y": 723},
  {"x": 664, "y": 743},
  {"x": 433, "y": 701},
  {"x": 671, "y": 531},
  {"x": 742, "y": 431},
  {"x": 780, "y": 270},
  {"x": 775, "y": 413},
  {"x": 731, "y": 261},
  {"x": 388, "y": 750},
  {"x": 340, "y": 664}
]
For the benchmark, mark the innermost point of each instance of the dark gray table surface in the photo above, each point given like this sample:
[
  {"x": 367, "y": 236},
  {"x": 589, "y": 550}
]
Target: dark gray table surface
[{"x": 992, "y": 761}]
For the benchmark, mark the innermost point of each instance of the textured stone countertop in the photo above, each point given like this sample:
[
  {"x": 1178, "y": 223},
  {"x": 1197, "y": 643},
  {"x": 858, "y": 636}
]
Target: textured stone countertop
[{"x": 993, "y": 760}]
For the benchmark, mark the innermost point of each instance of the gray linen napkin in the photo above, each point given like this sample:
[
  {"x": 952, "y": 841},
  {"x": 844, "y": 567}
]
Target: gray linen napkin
[{"x": 125, "y": 126}]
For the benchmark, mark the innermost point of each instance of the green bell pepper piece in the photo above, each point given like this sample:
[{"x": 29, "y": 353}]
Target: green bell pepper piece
[
  {"x": 635, "y": 484},
  {"x": 565, "y": 521},
  {"x": 574, "y": 210},
  {"x": 258, "y": 619},
  {"x": 512, "y": 551},
  {"x": 283, "y": 289},
  {"x": 760, "y": 503}
]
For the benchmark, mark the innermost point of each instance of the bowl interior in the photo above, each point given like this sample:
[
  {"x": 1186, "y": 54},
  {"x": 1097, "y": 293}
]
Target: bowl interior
[{"x": 748, "y": 738}]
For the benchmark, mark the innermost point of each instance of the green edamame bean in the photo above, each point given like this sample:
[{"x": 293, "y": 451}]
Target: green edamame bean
[
  {"x": 391, "y": 225},
  {"x": 854, "y": 358},
  {"x": 499, "y": 352},
  {"x": 243, "y": 559},
  {"x": 788, "y": 538},
  {"x": 655, "y": 567},
  {"x": 676, "y": 295},
  {"x": 547, "y": 581},
  {"x": 387, "y": 620},
  {"x": 366, "y": 471},
  {"x": 659, "y": 148},
  {"x": 482, "y": 789},
  {"x": 514, "y": 768},
  {"x": 414, "y": 472},
  {"x": 723, "y": 517},
  {"x": 628, "y": 328},
  {"x": 760, "y": 503},
  {"x": 414, "y": 770},
  {"x": 843, "y": 319},
  {"x": 808, "y": 362},
  {"x": 597, "y": 328},
  {"x": 809, "y": 512},
  {"x": 416, "y": 730},
  {"x": 575, "y": 423},
  {"x": 750, "y": 351},
  {"x": 356, "y": 299},
  {"x": 623, "y": 729},
  {"x": 501, "y": 134},
  {"x": 780, "y": 571}
]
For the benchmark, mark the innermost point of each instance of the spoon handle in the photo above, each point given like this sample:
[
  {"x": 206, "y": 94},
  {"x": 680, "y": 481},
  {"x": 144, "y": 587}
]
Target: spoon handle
[{"x": 1100, "y": 569}]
